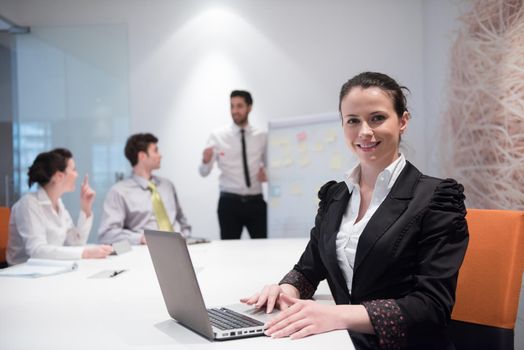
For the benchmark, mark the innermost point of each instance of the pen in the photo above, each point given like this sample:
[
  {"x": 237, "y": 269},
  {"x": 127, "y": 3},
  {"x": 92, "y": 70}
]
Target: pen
[{"x": 116, "y": 273}]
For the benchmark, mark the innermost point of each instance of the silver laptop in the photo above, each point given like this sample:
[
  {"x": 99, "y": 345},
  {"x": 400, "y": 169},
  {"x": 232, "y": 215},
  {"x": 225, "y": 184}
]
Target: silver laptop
[{"x": 183, "y": 298}]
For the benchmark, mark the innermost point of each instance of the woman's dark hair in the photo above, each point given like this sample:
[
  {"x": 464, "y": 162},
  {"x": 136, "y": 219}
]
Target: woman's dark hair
[
  {"x": 138, "y": 143},
  {"x": 244, "y": 94},
  {"x": 382, "y": 81},
  {"x": 46, "y": 164}
]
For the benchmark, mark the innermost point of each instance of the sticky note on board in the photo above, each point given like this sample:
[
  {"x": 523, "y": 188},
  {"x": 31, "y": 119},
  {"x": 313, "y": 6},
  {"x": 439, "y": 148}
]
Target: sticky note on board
[
  {"x": 318, "y": 147},
  {"x": 275, "y": 142},
  {"x": 284, "y": 142},
  {"x": 331, "y": 136},
  {"x": 287, "y": 161},
  {"x": 275, "y": 164},
  {"x": 296, "y": 189},
  {"x": 304, "y": 161},
  {"x": 335, "y": 162},
  {"x": 275, "y": 191},
  {"x": 274, "y": 202},
  {"x": 302, "y": 136}
]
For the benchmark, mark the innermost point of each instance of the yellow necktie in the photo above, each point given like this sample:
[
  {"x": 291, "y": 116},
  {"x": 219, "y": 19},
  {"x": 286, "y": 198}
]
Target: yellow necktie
[{"x": 162, "y": 219}]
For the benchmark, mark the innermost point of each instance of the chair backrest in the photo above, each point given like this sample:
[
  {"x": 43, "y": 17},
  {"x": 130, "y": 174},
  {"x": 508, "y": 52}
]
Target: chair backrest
[
  {"x": 490, "y": 278},
  {"x": 4, "y": 231}
]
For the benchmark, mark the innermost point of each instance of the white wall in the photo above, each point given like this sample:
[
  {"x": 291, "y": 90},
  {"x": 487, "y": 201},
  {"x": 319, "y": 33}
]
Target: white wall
[{"x": 186, "y": 56}]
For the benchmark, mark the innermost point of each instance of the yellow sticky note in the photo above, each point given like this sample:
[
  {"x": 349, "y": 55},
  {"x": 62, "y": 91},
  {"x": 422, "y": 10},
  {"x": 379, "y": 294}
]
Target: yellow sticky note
[
  {"x": 296, "y": 189},
  {"x": 287, "y": 161},
  {"x": 284, "y": 142},
  {"x": 331, "y": 135},
  {"x": 276, "y": 164},
  {"x": 318, "y": 147},
  {"x": 335, "y": 162},
  {"x": 304, "y": 161}
]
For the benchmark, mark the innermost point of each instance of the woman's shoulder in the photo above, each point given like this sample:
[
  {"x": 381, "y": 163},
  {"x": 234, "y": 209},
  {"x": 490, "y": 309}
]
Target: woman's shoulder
[
  {"x": 30, "y": 198},
  {"x": 331, "y": 188},
  {"x": 444, "y": 185},
  {"x": 28, "y": 203},
  {"x": 446, "y": 193},
  {"x": 434, "y": 184}
]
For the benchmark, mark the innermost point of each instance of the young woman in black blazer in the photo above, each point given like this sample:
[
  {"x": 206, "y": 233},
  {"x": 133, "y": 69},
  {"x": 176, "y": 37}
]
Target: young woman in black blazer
[{"x": 389, "y": 240}]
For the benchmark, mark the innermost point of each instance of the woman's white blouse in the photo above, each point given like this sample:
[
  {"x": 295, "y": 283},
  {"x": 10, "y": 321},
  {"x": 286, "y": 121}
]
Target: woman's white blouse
[
  {"x": 349, "y": 231},
  {"x": 36, "y": 230}
]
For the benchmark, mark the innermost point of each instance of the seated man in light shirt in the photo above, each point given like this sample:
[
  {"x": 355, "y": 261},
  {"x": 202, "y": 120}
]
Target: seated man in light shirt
[{"x": 143, "y": 201}]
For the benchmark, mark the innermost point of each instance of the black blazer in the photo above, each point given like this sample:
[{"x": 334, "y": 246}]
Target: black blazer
[{"x": 406, "y": 263}]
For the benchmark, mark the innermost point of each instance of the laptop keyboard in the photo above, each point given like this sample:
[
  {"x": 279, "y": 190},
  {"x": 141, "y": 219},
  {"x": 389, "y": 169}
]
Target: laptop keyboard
[{"x": 223, "y": 319}]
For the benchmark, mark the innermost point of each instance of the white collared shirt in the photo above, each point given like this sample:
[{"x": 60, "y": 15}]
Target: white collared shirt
[
  {"x": 349, "y": 231},
  {"x": 36, "y": 230},
  {"x": 128, "y": 210},
  {"x": 227, "y": 147}
]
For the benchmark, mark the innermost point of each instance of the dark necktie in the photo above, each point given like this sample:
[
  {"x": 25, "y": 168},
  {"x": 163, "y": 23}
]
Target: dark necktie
[{"x": 244, "y": 160}]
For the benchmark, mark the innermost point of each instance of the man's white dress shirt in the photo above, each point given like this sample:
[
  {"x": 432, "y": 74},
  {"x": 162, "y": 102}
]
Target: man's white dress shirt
[{"x": 227, "y": 153}]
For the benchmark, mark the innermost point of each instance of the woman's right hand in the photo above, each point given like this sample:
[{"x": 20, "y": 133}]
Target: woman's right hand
[
  {"x": 96, "y": 251},
  {"x": 87, "y": 197},
  {"x": 269, "y": 296}
]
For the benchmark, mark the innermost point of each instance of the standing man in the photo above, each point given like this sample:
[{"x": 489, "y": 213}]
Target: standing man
[
  {"x": 240, "y": 152},
  {"x": 143, "y": 201}
]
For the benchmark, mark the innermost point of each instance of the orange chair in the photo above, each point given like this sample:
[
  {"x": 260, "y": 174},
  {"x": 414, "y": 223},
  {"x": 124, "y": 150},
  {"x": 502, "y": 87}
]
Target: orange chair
[
  {"x": 4, "y": 231},
  {"x": 489, "y": 281}
]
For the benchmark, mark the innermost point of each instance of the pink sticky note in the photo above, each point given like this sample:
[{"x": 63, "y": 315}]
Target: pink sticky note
[{"x": 301, "y": 136}]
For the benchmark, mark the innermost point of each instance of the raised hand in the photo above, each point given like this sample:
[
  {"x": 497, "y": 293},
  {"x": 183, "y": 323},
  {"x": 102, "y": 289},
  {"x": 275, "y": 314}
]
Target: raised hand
[
  {"x": 207, "y": 155},
  {"x": 87, "y": 197}
]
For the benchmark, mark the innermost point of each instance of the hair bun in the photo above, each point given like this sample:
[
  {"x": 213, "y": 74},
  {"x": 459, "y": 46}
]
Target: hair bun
[{"x": 46, "y": 164}]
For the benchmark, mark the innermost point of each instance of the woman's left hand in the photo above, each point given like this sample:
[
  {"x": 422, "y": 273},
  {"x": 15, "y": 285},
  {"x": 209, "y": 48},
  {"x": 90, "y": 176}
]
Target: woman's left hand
[
  {"x": 87, "y": 197},
  {"x": 303, "y": 318}
]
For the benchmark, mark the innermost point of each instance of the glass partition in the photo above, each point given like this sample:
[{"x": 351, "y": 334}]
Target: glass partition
[{"x": 72, "y": 91}]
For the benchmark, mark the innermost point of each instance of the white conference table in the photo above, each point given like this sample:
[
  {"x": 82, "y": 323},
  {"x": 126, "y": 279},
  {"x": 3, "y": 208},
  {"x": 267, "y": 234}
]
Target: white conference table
[{"x": 73, "y": 311}]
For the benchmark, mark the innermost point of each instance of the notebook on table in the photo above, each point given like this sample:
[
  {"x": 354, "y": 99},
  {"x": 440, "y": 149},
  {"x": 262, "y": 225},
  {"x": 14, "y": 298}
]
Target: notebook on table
[
  {"x": 39, "y": 268},
  {"x": 183, "y": 298}
]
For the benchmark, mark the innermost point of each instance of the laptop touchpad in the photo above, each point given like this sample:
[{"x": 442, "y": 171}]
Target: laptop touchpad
[{"x": 251, "y": 311}]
